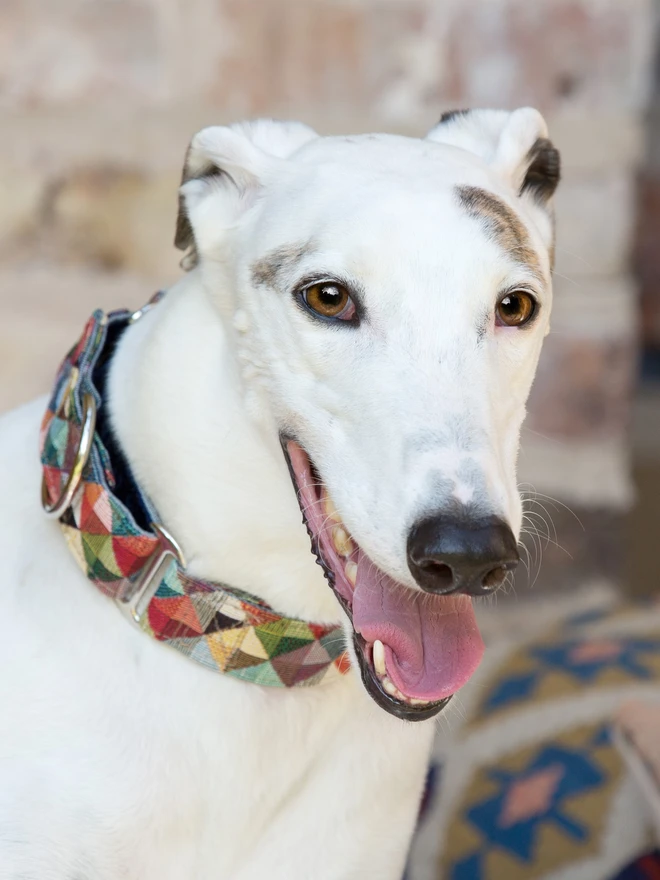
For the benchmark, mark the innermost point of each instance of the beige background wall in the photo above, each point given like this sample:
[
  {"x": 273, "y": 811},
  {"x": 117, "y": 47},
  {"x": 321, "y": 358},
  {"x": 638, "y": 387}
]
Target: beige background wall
[{"x": 98, "y": 99}]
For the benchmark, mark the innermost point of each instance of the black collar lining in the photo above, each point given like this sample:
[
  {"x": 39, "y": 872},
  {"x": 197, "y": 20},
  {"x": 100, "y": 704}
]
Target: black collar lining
[{"x": 125, "y": 487}]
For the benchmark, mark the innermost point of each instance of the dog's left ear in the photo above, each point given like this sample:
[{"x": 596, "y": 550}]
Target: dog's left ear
[
  {"x": 224, "y": 170},
  {"x": 515, "y": 145}
]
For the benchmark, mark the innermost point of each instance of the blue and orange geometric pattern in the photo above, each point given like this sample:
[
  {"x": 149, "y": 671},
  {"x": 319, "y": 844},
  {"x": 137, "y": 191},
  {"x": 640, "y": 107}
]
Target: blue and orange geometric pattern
[
  {"x": 536, "y": 810},
  {"x": 222, "y": 628},
  {"x": 563, "y": 666}
]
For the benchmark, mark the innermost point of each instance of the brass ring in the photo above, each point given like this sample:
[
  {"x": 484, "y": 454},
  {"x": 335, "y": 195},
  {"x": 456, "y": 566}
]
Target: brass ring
[{"x": 57, "y": 508}]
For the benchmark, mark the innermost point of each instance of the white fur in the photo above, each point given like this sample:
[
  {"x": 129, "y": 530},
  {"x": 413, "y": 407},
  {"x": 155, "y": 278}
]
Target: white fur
[{"x": 119, "y": 758}]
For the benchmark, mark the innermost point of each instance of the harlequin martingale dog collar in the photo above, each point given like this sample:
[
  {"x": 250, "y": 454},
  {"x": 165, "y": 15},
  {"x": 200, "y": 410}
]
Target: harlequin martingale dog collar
[{"x": 120, "y": 544}]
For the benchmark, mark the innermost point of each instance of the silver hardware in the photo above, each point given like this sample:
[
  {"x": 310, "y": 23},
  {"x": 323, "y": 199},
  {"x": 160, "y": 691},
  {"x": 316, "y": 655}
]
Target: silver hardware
[
  {"x": 140, "y": 312},
  {"x": 55, "y": 509},
  {"x": 135, "y": 604}
]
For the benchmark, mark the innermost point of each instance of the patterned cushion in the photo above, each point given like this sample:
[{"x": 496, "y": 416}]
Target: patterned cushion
[{"x": 532, "y": 785}]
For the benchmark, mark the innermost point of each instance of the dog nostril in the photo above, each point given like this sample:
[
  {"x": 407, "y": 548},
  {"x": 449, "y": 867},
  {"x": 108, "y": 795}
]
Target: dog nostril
[
  {"x": 443, "y": 576},
  {"x": 494, "y": 578},
  {"x": 462, "y": 554}
]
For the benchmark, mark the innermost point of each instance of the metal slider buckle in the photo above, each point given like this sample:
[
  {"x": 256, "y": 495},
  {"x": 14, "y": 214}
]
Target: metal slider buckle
[
  {"x": 135, "y": 316},
  {"x": 55, "y": 509},
  {"x": 136, "y": 602}
]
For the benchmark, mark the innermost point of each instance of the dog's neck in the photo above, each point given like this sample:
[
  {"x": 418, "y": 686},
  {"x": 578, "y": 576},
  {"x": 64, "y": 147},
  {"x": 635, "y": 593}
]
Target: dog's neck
[{"x": 219, "y": 483}]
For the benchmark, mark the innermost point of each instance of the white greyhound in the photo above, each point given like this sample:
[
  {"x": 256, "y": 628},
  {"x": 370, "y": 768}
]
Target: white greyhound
[{"x": 375, "y": 307}]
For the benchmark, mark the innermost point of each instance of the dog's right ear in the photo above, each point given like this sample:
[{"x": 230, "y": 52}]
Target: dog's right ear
[{"x": 231, "y": 163}]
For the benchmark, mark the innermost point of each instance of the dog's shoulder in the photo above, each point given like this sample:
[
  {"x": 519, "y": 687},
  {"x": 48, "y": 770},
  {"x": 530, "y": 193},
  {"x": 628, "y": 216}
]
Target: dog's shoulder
[{"x": 19, "y": 436}]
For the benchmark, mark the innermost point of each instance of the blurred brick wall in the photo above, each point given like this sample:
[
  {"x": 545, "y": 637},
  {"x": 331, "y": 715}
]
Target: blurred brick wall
[
  {"x": 98, "y": 99},
  {"x": 647, "y": 250}
]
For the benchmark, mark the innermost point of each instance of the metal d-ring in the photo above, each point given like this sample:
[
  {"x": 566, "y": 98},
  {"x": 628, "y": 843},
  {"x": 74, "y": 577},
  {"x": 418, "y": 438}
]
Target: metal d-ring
[
  {"x": 142, "y": 591},
  {"x": 57, "y": 508}
]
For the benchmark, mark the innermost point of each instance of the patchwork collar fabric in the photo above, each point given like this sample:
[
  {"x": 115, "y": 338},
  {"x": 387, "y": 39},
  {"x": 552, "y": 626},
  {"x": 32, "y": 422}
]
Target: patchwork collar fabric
[{"x": 119, "y": 542}]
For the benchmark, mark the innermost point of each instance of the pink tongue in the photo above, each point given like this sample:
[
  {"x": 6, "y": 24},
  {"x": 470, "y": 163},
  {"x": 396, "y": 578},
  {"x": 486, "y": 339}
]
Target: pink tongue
[{"x": 432, "y": 643}]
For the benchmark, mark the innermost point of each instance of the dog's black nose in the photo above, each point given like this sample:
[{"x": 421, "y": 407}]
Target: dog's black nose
[{"x": 449, "y": 555}]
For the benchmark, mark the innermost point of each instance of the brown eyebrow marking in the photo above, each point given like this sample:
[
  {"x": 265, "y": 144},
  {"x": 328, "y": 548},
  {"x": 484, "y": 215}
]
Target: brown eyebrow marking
[
  {"x": 269, "y": 270},
  {"x": 503, "y": 225}
]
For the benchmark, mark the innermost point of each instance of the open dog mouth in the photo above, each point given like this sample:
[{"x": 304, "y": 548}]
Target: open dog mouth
[{"x": 415, "y": 649}]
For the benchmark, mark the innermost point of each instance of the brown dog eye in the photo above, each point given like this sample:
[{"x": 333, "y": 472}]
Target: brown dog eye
[
  {"x": 515, "y": 308},
  {"x": 329, "y": 300}
]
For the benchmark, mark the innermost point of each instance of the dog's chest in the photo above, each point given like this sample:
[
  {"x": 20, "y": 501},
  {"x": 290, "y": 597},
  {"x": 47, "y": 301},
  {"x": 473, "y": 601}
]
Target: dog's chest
[
  {"x": 157, "y": 770},
  {"x": 160, "y": 771}
]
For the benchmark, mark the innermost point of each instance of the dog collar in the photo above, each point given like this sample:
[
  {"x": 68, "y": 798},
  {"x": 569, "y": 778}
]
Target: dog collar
[{"x": 119, "y": 542}]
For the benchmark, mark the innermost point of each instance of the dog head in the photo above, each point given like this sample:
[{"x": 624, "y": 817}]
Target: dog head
[{"x": 388, "y": 297}]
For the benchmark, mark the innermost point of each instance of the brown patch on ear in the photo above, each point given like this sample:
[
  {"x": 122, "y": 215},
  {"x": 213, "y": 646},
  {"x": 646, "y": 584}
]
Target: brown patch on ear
[
  {"x": 268, "y": 271},
  {"x": 544, "y": 170},
  {"x": 184, "y": 236},
  {"x": 449, "y": 115},
  {"x": 503, "y": 225}
]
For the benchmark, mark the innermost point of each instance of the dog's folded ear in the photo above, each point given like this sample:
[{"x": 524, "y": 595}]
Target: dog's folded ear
[
  {"x": 515, "y": 145},
  {"x": 231, "y": 163}
]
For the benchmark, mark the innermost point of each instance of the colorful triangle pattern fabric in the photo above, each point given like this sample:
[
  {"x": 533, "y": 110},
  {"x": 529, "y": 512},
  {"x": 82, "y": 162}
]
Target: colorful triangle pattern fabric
[{"x": 221, "y": 628}]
